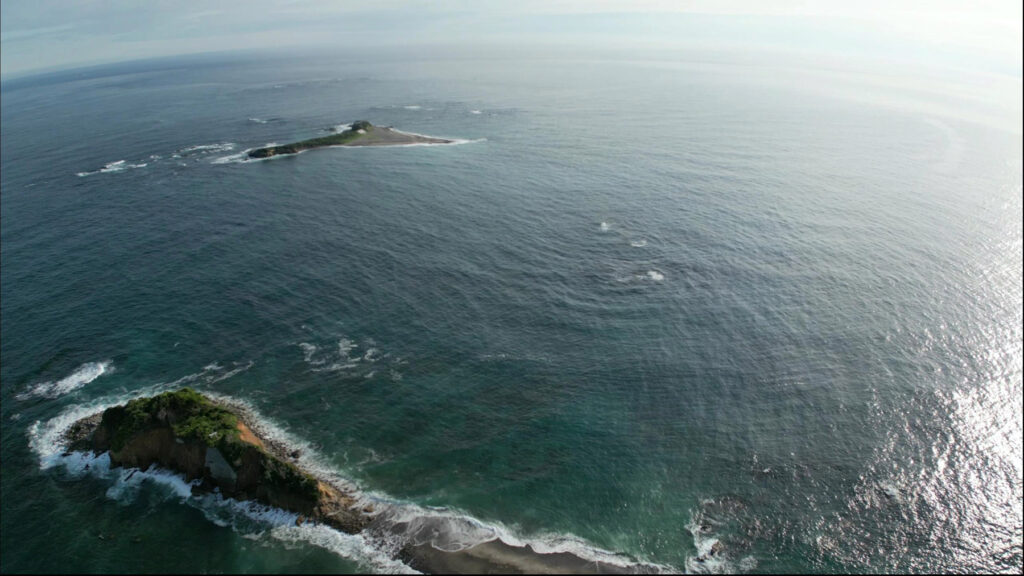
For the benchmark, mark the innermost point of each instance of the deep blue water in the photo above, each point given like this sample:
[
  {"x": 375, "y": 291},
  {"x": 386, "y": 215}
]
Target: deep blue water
[{"x": 643, "y": 308}]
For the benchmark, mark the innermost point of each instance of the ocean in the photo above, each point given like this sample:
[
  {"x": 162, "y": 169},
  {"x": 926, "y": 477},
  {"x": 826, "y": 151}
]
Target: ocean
[{"x": 688, "y": 315}]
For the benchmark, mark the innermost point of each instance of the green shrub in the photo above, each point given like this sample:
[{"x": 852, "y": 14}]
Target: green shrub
[{"x": 190, "y": 414}]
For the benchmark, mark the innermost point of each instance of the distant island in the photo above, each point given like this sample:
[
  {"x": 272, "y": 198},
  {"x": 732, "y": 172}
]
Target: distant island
[
  {"x": 218, "y": 446},
  {"x": 360, "y": 133}
]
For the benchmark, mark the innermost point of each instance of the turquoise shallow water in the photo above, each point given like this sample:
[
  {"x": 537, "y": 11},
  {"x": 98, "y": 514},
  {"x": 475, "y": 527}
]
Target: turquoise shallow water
[{"x": 643, "y": 308}]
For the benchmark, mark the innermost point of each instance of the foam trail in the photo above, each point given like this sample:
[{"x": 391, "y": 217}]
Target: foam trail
[
  {"x": 118, "y": 166},
  {"x": 475, "y": 112},
  {"x": 232, "y": 158},
  {"x": 413, "y": 107},
  {"x": 345, "y": 346},
  {"x": 241, "y": 516},
  {"x": 638, "y": 243},
  {"x": 243, "y": 156},
  {"x": 83, "y": 375},
  {"x": 655, "y": 275},
  {"x": 308, "y": 351},
  {"x": 46, "y": 440},
  {"x": 452, "y": 141},
  {"x": 238, "y": 369},
  {"x": 218, "y": 147},
  {"x": 712, "y": 557},
  {"x": 401, "y": 523},
  {"x": 444, "y": 529}
]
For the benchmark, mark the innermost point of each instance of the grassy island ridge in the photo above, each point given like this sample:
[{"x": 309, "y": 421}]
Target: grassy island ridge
[
  {"x": 361, "y": 133},
  {"x": 197, "y": 419}
]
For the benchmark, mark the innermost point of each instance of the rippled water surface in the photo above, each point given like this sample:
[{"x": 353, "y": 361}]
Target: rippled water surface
[{"x": 641, "y": 309}]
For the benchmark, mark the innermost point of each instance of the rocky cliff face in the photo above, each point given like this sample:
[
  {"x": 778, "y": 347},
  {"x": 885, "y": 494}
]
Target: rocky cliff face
[{"x": 187, "y": 432}]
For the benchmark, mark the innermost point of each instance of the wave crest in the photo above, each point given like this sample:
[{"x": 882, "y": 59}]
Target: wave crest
[
  {"x": 396, "y": 524},
  {"x": 82, "y": 375}
]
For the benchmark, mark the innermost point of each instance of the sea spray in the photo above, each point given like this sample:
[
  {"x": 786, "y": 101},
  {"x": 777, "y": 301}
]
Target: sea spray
[{"x": 83, "y": 375}]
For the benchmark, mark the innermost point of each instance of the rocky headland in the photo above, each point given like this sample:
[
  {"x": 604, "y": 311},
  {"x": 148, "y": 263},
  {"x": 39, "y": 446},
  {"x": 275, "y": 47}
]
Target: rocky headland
[
  {"x": 196, "y": 436},
  {"x": 360, "y": 133},
  {"x": 218, "y": 444}
]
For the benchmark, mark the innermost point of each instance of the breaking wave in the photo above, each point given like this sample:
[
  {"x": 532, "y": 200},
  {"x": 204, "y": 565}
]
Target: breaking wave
[
  {"x": 83, "y": 375},
  {"x": 395, "y": 524},
  {"x": 113, "y": 167}
]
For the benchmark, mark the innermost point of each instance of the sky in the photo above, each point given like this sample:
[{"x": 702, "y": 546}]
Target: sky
[{"x": 978, "y": 35}]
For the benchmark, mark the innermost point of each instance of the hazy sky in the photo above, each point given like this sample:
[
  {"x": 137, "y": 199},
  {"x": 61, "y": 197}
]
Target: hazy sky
[{"x": 978, "y": 35}]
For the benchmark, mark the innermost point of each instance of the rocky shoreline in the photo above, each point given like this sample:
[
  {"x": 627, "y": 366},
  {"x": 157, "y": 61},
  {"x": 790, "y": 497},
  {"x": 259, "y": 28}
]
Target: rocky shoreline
[
  {"x": 360, "y": 133},
  {"x": 222, "y": 445},
  {"x": 208, "y": 441}
]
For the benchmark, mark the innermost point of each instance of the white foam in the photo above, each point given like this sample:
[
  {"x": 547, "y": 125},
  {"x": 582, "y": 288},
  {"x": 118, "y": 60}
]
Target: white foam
[
  {"x": 451, "y": 141},
  {"x": 413, "y": 107},
  {"x": 655, "y": 275},
  {"x": 238, "y": 369},
  {"x": 218, "y": 147},
  {"x": 475, "y": 112},
  {"x": 336, "y": 367},
  {"x": 706, "y": 561},
  {"x": 711, "y": 558},
  {"x": 82, "y": 375},
  {"x": 453, "y": 530},
  {"x": 308, "y": 351},
  {"x": 258, "y": 120},
  {"x": 354, "y": 546},
  {"x": 605, "y": 226},
  {"x": 113, "y": 167},
  {"x": 441, "y": 528},
  {"x": 638, "y": 243},
  {"x": 241, "y": 516},
  {"x": 345, "y": 356},
  {"x": 46, "y": 439},
  {"x": 345, "y": 346},
  {"x": 243, "y": 156},
  {"x": 232, "y": 158}
]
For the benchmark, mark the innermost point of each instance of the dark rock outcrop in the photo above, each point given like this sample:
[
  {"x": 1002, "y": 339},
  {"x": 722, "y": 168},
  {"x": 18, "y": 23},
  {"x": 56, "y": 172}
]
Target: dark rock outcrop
[
  {"x": 203, "y": 439},
  {"x": 360, "y": 133},
  {"x": 187, "y": 432}
]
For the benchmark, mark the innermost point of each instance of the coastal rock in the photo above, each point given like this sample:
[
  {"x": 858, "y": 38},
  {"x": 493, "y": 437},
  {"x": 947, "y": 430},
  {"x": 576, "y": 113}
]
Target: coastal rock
[
  {"x": 359, "y": 133},
  {"x": 191, "y": 434},
  {"x": 213, "y": 442}
]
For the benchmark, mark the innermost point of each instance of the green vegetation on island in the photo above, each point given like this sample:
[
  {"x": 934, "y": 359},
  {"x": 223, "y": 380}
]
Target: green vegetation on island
[
  {"x": 213, "y": 442},
  {"x": 205, "y": 440},
  {"x": 360, "y": 133},
  {"x": 195, "y": 419}
]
